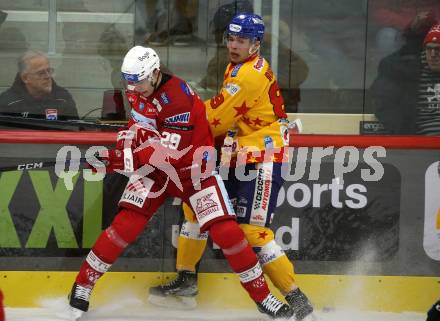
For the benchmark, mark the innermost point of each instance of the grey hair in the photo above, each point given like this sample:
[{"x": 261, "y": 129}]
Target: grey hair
[{"x": 23, "y": 60}]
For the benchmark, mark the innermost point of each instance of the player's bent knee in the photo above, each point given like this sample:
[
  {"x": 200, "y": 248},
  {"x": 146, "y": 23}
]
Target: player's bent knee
[
  {"x": 127, "y": 225},
  {"x": 269, "y": 252},
  {"x": 227, "y": 234}
]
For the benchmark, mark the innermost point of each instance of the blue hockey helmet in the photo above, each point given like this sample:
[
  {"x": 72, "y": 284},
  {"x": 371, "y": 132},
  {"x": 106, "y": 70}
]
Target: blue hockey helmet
[{"x": 247, "y": 25}]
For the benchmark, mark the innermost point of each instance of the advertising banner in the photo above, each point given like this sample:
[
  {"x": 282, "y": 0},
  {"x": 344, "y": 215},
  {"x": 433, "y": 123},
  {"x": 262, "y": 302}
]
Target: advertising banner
[{"x": 337, "y": 206}]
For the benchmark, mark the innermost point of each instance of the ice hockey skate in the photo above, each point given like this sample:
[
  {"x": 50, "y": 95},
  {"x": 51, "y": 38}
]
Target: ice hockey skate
[
  {"x": 178, "y": 294},
  {"x": 275, "y": 309},
  {"x": 79, "y": 301},
  {"x": 302, "y": 308}
]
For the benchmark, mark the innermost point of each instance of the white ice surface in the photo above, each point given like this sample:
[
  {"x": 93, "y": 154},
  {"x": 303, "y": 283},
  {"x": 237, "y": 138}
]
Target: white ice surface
[{"x": 132, "y": 309}]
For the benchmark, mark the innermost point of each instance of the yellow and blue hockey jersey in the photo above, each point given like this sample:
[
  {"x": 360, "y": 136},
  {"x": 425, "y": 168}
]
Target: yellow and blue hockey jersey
[{"x": 249, "y": 110}]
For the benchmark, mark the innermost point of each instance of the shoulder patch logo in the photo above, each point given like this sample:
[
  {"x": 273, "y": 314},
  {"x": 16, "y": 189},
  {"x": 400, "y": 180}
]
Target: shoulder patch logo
[
  {"x": 164, "y": 98},
  {"x": 232, "y": 89},
  {"x": 258, "y": 66},
  {"x": 186, "y": 89}
]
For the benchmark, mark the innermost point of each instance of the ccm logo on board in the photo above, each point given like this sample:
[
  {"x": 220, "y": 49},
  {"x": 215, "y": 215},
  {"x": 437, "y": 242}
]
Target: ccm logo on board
[{"x": 29, "y": 166}]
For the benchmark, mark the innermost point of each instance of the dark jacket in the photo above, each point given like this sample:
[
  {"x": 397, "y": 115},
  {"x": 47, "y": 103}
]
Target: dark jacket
[
  {"x": 394, "y": 91},
  {"x": 16, "y": 101}
]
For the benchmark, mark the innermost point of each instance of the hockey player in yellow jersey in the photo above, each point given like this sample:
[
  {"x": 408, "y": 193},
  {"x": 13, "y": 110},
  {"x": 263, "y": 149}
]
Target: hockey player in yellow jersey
[{"x": 248, "y": 116}]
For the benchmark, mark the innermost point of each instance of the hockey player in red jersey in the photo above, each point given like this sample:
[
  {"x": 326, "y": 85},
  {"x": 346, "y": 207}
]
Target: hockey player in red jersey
[{"x": 168, "y": 152}]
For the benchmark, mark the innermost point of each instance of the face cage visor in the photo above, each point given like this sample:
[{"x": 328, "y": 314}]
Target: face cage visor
[
  {"x": 228, "y": 36},
  {"x": 131, "y": 81}
]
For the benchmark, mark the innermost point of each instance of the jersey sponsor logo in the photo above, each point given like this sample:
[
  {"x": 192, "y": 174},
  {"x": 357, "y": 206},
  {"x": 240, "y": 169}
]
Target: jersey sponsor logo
[
  {"x": 232, "y": 89},
  {"x": 206, "y": 205},
  {"x": 164, "y": 98},
  {"x": 269, "y": 252},
  {"x": 96, "y": 263},
  {"x": 263, "y": 188},
  {"x": 136, "y": 193},
  {"x": 258, "y": 66},
  {"x": 192, "y": 231},
  {"x": 133, "y": 199},
  {"x": 141, "y": 119},
  {"x": 179, "y": 127},
  {"x": 251, "y": 274},
  {"x": 235, "y": 70},
  {"x": 265, "y": 258},
  {"x": 241, "y": 211},
  {"x": 180, "y": 118}
]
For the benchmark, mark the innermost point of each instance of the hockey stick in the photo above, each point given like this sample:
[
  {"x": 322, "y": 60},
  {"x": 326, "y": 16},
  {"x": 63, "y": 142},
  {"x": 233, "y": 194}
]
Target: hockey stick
[
  {"x": 40, "y": 164},
  {"x": 36, "y": 123}
]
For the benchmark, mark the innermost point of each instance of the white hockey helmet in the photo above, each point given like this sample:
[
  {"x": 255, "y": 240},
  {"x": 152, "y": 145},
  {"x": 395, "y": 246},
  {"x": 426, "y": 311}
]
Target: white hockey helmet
[{"x": 139, "y": 64}]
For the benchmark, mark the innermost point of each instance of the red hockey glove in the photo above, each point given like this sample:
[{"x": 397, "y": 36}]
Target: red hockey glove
[
  {"x": 116, "y": 160},
  {"x": 120, "y": 158}
]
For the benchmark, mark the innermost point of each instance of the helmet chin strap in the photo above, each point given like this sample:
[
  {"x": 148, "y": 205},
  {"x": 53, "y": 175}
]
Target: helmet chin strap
[
  {"x": 254, "y": 49},
  {"x": 155, "y": 84}
]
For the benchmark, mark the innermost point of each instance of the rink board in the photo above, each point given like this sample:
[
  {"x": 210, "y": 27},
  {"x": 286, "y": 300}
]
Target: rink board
[{"x": 222, "y": 290}]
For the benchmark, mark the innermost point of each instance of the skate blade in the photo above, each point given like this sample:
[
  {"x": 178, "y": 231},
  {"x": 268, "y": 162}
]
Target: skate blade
[
  {"x": 75, "y": 314},
  {"x": 174, "y": 302}
]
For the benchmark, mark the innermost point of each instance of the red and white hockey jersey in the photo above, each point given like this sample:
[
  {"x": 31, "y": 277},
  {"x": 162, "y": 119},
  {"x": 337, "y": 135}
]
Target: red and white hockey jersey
[{"x": 181, "y": 122}]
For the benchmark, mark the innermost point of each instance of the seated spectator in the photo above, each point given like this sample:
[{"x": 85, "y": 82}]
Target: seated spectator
[
  {"x": 35, "y": 94},
  {"x": 406, "y": 92},
  {"x": 176, "y": 24},
  {"x": 391, "y": 20}
]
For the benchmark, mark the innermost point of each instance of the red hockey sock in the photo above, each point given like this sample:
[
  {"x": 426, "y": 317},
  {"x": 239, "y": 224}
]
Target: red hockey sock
[
  {"x": 241, "y": 257},
  {"x": 125, "y": 228},
  {"x": 99, "y": 259}
]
